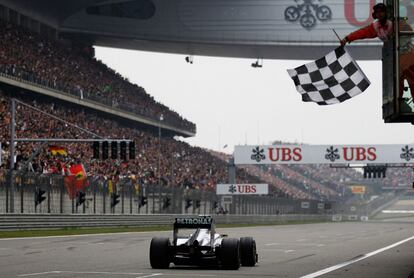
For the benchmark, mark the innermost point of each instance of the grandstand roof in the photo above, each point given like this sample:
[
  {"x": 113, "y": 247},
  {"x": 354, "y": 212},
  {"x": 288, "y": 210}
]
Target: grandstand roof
[{"x": 243, "y": 28}]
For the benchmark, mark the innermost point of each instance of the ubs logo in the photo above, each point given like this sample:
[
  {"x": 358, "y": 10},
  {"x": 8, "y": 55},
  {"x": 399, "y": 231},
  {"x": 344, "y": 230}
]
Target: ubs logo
[
  {"x": 307, "y": 13},
  {"x": 407, "y": 153},
  {"x": 332, "y": 154},
  {"x": 258, "y": 154}
]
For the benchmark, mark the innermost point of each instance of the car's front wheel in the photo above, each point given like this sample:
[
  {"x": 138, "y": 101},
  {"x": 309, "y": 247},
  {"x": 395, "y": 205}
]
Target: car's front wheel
[{"x": 160, "y": 253}]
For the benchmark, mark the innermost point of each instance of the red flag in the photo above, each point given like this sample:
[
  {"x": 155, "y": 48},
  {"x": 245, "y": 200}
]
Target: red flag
[
  {"x": 78, "y": 171},
  {"x": 77, "y": 180}
]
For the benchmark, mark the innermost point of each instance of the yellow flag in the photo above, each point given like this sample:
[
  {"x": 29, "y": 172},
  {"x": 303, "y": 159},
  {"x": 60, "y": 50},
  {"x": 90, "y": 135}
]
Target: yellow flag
[{"x": 110, "y": 187}]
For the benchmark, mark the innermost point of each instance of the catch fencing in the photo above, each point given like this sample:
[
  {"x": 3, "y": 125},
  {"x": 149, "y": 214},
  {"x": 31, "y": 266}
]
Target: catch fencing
[{"x": 135, "y": 198}]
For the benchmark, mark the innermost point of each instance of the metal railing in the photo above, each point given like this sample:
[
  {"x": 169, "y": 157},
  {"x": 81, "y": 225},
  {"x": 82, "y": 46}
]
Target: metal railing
[{"x": 61, "y": 221}]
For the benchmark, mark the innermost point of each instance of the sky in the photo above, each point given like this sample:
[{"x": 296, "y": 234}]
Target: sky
[{"x": 234, "y": 104}]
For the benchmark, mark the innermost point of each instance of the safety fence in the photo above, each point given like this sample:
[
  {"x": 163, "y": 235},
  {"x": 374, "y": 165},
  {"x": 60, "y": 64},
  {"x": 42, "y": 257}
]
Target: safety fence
[{"x": 50, "y": 194}]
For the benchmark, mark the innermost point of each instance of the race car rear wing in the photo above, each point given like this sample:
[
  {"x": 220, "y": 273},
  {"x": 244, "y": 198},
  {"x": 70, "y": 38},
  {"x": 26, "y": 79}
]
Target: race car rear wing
[
  {"x": 198, "y": 222},
  {"x": 202, "y": 222}
]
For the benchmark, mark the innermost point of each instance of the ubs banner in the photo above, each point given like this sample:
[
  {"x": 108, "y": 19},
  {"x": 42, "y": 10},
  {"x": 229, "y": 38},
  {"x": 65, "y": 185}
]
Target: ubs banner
[
  {"x": 324, "y": 154},
  {"x": 242, "y": 189}
]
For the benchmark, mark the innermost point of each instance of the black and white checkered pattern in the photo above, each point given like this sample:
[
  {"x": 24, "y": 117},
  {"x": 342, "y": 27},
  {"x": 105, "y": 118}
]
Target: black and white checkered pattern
[{"x": 331, "y": 79}]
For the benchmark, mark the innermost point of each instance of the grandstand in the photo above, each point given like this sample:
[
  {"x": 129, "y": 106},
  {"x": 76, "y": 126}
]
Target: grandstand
[
  {"x": 177, "y": 169},
  {"x": 73, "y": 72}
]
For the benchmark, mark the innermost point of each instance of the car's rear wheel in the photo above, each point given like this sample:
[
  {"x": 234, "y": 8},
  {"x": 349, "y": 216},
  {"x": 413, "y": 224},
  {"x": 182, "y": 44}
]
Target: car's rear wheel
[
  {"x": 248, "y": 254},
  {"x": 230, "y": 253},
  {"x": 160, "y": 253}
]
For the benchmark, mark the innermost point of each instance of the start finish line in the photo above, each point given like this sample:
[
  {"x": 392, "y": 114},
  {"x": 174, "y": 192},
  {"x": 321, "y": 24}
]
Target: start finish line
[{"x": 324, "y": 154}]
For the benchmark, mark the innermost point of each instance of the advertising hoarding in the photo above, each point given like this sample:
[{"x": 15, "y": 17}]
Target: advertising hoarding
[
  {"x": 324, "y": 154},
  {"x": 242, "y": 189}
]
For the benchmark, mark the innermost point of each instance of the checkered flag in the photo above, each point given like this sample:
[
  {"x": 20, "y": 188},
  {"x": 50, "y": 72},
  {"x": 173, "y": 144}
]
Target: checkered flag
[{"x": 331, "y": 79}]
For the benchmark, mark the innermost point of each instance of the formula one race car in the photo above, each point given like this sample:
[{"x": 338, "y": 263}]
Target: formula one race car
[{"x": 202, "y": 246}]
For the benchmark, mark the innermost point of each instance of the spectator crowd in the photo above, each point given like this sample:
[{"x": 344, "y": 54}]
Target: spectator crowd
[
  {"x": 73, "y": 70},
  {"x": 169, "y": 162}
]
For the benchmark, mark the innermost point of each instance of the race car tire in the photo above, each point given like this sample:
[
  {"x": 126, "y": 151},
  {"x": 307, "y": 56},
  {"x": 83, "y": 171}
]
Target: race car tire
[
  {"x": 160, "y": 253},
  {"x": 230, "y": 253},
  {"x": 248, "y": 254}
]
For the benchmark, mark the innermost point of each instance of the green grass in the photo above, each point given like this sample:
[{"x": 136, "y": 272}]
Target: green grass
[{"x": 85, "y": 231}]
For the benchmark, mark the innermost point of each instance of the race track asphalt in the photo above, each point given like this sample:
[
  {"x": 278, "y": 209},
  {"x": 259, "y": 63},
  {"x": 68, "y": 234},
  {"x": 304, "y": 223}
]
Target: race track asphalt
[{"x": 383, "y": 247}]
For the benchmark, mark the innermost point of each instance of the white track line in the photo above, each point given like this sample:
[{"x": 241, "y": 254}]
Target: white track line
[
  {"x": 397, "y": 211},
  {"x": 341, "y": 265},
  {"x": 37, "y": 274},
  {"x": 150, "y": 275}
]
